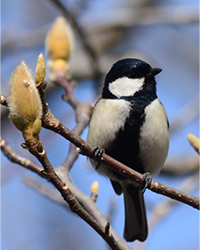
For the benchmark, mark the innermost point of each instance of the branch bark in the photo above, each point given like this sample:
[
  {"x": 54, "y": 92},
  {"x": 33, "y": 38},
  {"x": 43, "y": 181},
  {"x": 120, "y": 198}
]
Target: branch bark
[
  {"x": 16, "y": 158},
  {"x": 75, "y": 206},
  {"x": 51, "y": 123}
]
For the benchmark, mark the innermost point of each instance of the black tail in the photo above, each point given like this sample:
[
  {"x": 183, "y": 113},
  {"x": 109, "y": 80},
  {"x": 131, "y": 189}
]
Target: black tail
[{"x": 135, "y": 215}]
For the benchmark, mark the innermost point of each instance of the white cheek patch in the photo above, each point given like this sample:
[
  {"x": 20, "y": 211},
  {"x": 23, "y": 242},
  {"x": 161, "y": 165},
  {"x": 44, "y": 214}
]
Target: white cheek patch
[{"x": 126, "y": 86}]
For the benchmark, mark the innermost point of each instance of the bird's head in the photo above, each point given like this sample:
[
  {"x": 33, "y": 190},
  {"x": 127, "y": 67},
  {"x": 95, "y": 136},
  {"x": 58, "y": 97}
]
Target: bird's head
[{"x": 128, "y": 76}]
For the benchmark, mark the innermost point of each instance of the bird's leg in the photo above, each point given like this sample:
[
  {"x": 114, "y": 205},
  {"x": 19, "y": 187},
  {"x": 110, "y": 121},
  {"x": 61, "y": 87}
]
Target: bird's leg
[
  {"x": 98, "y": 152},
  {"x": 147, "y": 178}
]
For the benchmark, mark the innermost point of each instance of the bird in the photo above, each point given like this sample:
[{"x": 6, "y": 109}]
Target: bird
[{"x": 130, "y": 124}]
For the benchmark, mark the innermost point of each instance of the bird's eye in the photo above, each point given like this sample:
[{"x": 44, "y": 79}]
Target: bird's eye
[{"x": 131, "y": 75}]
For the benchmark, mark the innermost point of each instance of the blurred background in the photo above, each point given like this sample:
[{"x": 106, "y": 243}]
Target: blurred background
[{"x": 163, "y": 33}]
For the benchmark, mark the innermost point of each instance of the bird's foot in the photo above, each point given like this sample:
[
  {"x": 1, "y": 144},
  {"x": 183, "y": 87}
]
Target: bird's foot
[
  {"x": 98, "y": 152},
  {"x": 146, "y": 183}
]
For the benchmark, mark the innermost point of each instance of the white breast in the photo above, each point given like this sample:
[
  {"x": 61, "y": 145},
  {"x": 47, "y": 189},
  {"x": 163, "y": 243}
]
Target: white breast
[
  {"x": 154, "y": 138},
  {"x": 108, "y": 117}
]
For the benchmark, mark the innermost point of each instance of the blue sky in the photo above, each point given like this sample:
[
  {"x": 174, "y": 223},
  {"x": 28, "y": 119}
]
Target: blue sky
[{"x": 31, "y": 221}]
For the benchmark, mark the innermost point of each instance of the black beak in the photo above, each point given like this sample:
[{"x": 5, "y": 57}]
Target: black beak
[{"x": 155, "y": 71}]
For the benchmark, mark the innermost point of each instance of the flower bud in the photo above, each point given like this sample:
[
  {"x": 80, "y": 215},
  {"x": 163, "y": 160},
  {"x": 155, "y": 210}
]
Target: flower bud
[
  {"x": 95, "y": 187},
  {"x": 24, "y": 102},
  {"x": 94, "y": 190},
  {"x": 40, "y": 71},
  {"x": 59, "y": 44},
  {"x": 194, "y": 141}
]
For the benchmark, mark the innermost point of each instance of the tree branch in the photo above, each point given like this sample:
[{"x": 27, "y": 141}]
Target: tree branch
[
  {"x": 51, "y": 123},
  {"x": 16, "y": 158},
  {"x": 88, "y": 204},
  {"x": 163, "y": 208},
  {"x": 84, "y": 202},
  {"x": 111, "y": 238},
  {"x": 45, "y": 190},
  {"x": 82, "y": 114},
  {"x": 84, "y": 209},
  {"x": 75, "y": 206}
]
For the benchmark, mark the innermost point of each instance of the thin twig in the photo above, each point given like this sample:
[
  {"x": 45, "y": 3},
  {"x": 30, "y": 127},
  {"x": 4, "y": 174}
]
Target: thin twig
[
  {"x": 64, "y": 190},
  {"x": 162, "y": 209},
  {"x": 68, "y": 87},
  {"x": 45, "y": 190},
  {"x": 181, "y": 165},
  {"x": 51, "y": 123},
  {"x": 84, "y": 202},
  {"x": 82, "y": 114},
  {"x": 88, "y": 204},
  {"x": 134, "y": 16},
  {"x": 16, "y": 158}
]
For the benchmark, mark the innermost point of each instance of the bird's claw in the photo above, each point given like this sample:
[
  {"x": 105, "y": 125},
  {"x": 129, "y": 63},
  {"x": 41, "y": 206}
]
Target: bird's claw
[
  {"x": 147, "y": 178},
  {"x": 98, "y": 152}
]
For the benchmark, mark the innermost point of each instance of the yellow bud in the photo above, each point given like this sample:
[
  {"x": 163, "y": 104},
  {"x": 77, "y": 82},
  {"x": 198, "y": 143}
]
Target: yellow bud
[
  {"x": 40, "y": 71},
  {"x": 24, "y": 101},
  {"x": 194, "y": 141},
  {"x": 95, "y": 187},
  {"x": 59, "y": 41}
]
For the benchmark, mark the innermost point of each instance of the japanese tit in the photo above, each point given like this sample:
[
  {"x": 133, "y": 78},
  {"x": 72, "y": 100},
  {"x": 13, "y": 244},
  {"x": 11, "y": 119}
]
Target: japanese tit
[{"x": 130, "y": 124}]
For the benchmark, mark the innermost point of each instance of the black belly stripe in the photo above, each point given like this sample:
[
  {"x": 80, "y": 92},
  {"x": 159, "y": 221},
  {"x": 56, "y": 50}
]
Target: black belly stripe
[{"x": 125, "y": 148}]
